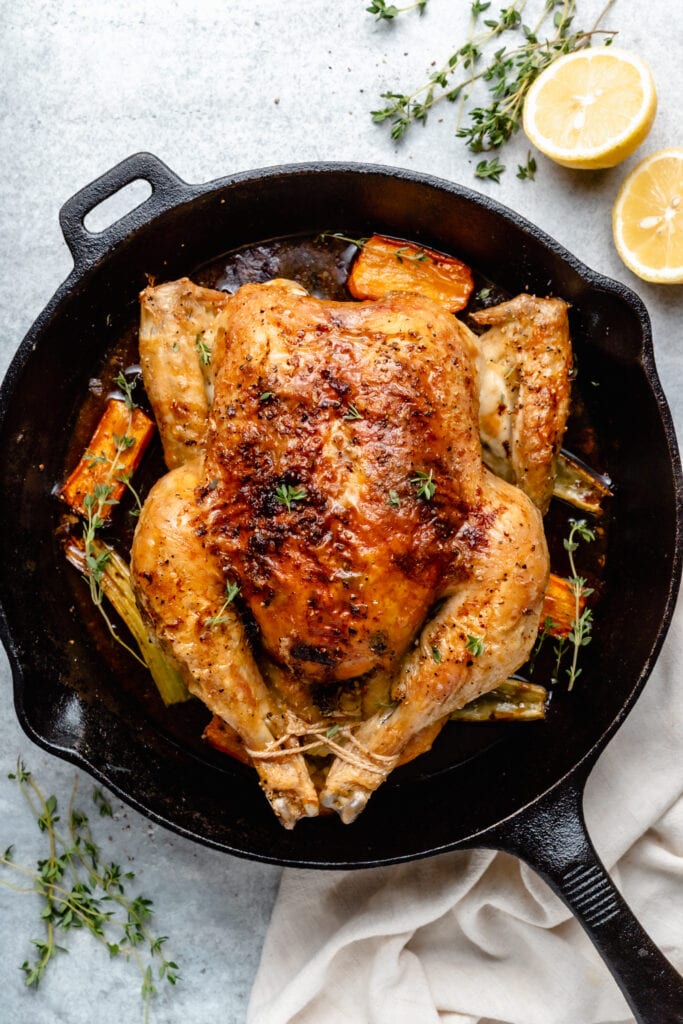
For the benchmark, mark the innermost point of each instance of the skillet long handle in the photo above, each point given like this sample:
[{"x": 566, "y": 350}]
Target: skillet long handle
[{"x": 551, "y": 837}]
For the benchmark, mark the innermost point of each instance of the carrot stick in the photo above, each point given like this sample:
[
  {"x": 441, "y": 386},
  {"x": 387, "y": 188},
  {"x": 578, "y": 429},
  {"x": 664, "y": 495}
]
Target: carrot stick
[
  {"x": 386, "y": 265},
  {"x": 224, "y": 738},
  {"x": 559, "y": 607},
  {"x": 114, "y": 452}
]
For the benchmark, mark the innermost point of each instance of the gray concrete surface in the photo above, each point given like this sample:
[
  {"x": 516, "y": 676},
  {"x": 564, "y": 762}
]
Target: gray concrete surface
[{"x": 213, "y": 86}]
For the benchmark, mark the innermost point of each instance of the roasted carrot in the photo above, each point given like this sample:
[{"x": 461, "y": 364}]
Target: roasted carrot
[
  {"x": 223, "y": 737},
  {"x": 386, "y": 265},
  {"x": 114, "y": 452},
  {"x": 559, "y": 606}
]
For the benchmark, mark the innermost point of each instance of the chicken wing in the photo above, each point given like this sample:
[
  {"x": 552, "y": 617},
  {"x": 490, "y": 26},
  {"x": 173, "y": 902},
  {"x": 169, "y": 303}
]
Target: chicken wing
[
  {"x": 179, "y": 324},
  {"x": 525, "y": 365}
]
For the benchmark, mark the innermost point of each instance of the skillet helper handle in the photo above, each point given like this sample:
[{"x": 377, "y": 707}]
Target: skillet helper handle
[
  {"x": 87, "y": 247},
  {"x": 552, "y": 839}
]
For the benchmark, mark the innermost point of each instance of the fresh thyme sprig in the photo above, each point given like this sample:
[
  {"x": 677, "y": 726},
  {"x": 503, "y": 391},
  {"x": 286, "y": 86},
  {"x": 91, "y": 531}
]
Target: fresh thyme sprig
[
  {"x": 506, "y": 72},
  {"x": 127, "y": 388},
  {"x": 387, "y": 12},
  {"x": 582, "y": 623},
  {"x": 358, "y": 242},
  {"x": 580, "y": 631},
  {"x": 231, "y": 592},
  {"x": 425, "y": 485},
  {"x": 81, "y": 890}
]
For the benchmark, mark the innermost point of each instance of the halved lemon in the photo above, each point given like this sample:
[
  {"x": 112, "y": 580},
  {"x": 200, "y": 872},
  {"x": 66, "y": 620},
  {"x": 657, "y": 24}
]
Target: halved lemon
[
  {"x": 591, "y": 108},
  {"x": 647, "y": 218}
]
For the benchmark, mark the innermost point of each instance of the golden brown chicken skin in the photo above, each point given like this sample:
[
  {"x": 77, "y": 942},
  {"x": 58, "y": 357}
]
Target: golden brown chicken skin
[
  {"x": 342, "y": 490},
  {"x": 181, "y": 589},
  {"x": 525, "y": 372},
  {"x": 331, "y": 426},
  {"x": 179, "y": 323},
  {"x": 482, "y": 632}
]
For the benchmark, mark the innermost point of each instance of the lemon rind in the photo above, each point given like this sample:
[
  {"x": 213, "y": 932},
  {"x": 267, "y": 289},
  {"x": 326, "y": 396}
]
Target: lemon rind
[{"x": 668, "y": 275}]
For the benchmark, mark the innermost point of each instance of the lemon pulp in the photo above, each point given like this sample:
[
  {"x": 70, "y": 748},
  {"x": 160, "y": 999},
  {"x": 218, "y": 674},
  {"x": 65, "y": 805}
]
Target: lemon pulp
[
  {"x": 591, "y": 108},
  {"x": 647, "y": 218}
]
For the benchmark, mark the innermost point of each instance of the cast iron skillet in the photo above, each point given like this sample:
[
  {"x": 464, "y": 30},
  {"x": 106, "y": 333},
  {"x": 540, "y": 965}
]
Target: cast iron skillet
[{"x": 519, "y": 789}]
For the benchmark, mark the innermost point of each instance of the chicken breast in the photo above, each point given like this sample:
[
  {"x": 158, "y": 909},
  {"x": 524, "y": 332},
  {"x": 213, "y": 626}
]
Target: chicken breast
[{"x": 344, "y": 459}]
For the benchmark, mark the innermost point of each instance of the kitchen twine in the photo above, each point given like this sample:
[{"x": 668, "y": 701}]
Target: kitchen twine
[{"x": 475, "y": 937}]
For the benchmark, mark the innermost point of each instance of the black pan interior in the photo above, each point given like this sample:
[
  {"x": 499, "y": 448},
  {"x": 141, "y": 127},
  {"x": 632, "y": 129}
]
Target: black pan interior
[{"x": 68, "y": 688}]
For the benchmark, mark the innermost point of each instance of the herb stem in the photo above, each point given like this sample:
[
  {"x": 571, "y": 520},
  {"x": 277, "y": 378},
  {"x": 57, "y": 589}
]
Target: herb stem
[
  {"x": 96, "y": 885},
  {"x": 508, "y": 74}
]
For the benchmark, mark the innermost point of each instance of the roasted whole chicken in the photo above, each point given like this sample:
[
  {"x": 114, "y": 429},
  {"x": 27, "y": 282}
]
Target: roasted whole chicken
[{"x": 328, "y": 560}]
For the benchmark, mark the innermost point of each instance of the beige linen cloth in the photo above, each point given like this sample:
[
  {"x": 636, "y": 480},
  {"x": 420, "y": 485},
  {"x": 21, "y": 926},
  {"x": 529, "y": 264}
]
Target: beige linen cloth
[{"x": 475, "y": 937}]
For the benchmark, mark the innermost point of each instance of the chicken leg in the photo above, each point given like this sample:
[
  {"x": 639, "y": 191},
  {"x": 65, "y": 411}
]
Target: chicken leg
[
  {"x": 483, "y": 632},
  {"x": 181, "y": 588}
]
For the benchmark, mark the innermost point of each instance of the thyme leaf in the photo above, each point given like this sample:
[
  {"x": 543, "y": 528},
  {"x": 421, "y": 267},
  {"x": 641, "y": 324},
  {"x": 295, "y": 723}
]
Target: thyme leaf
[
  {"x": 580, "y": 634},
  {"x": 475, "y": 645},
  {"x": 527, "y": 171},
  {"x": 490, "y": 169},
  {"x": 408, "y": 252},
  {"x": 287, "y": 495},
  {"x": 231, "y": 592},
  {"x": 352, "y": 413},
  {"x": 202, "y": 350},
  {"x": 424, "y": 484},
  {"x": 387, "y": 12},
  {"x": 127, "y": 387}
]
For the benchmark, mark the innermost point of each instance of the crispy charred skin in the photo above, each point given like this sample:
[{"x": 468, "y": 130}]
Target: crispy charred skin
[{"x": 350, "y": 407}]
